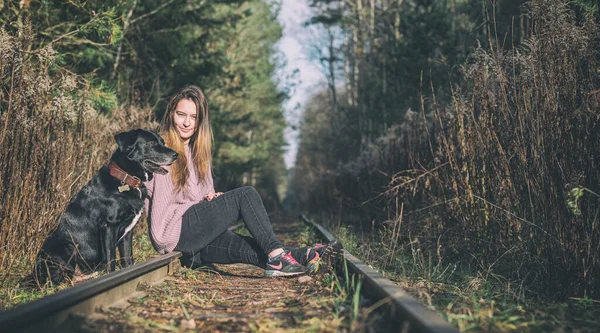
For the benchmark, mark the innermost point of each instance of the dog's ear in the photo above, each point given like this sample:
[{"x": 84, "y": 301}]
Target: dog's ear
[{"x": 125, "y": 140}]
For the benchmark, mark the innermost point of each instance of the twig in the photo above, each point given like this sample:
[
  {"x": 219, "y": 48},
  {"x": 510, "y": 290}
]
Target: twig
[
  {"x": 405, "y": 183},
  {"x": 125, "y": 26},
  {"x": 73, "y": 32},
  {"x": 584, "y": 299},
  {"x": 592, "y": 192},
  {"x": 152, "y": 12},
  {"x": 187, "y": 315},
  {"x": 10, "y": 99},
  {"x": 512, "y": 214}
]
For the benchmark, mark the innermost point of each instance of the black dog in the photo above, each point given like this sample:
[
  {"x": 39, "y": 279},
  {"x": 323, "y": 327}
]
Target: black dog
[{"x": 104, "y": 211}]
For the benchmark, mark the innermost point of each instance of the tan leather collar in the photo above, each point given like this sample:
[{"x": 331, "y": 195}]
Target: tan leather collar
[{"x": 123, "y": 176}]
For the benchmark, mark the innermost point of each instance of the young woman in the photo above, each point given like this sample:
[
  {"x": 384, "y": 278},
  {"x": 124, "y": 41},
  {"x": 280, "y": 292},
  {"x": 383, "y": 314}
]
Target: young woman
[{"x": 186, "y": 214}]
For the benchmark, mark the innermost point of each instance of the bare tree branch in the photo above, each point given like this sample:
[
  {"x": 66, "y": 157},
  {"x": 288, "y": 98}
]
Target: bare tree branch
[
  {"x": 125, "y": 26},
  {"x": 156, "y": 10}
]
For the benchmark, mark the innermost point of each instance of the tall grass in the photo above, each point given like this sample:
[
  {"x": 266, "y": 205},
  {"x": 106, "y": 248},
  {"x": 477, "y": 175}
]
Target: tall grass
[
  {"x": 506, "y": 176},
  {"x": 521, "y": 136},
  {"x": 51, "y": 141}
]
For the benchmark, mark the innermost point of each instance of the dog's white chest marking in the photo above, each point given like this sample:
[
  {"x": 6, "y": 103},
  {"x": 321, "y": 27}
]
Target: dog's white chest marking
[{"x": 133, "y": 223}]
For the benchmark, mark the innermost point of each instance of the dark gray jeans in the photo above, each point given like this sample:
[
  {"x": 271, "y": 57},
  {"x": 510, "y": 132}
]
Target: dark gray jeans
[{"x": 205, "y": 238}]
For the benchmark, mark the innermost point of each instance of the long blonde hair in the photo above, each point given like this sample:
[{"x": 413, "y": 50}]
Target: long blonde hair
[{"x": 200, "y": 143}]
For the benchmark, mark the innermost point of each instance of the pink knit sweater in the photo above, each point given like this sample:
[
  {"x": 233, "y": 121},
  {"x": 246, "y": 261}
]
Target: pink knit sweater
[{"x": 166, "y": 206}]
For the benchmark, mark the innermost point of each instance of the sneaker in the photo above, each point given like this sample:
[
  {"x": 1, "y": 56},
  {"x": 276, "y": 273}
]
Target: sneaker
[
  {"x": 312, "y": 256},
  {"x": 284, "y": 265}
]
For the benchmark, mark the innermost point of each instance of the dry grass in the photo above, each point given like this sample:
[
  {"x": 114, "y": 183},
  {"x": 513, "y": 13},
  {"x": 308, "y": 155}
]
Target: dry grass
[
  {"x": 519, "y": 138},
  {"x": 52, "y": 142},
  {"x": 504, "y": 178}
]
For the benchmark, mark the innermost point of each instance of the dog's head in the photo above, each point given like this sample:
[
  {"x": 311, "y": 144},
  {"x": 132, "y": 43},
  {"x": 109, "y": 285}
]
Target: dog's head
[{"x": 147, "y": 149}]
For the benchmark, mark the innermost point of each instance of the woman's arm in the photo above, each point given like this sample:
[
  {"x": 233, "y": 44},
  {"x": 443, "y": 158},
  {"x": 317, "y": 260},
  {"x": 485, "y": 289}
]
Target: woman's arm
[{"x": 210, "y": 184}]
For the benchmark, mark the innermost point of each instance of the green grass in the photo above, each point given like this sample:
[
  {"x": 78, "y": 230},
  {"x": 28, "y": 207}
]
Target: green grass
[{"x": 470, "y": 298}]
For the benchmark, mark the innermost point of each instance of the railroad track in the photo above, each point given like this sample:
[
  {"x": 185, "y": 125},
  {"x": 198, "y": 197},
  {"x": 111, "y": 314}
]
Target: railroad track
[
  {"x": 410, "y": 315},
  {"x": 50, "y": 313}
]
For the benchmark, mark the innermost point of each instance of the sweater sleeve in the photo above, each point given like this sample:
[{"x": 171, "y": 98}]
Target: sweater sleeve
[{"x": 209, "y": 182}]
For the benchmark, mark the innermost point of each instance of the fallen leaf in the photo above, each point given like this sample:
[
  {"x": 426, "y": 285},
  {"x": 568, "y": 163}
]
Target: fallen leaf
[
  {"x": 304, "y": 279},
  {"x": 187, "y": 324}
]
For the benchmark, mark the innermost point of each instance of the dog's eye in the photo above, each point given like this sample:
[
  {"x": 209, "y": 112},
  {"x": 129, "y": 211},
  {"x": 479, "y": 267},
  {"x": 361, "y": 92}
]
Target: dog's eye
[{"x": 153, "y": 143}]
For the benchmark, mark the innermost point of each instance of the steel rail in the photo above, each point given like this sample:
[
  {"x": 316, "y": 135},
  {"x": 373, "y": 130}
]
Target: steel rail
[
  {"x": 404, "y": 308},
  {"x": 48, "y": 313}
]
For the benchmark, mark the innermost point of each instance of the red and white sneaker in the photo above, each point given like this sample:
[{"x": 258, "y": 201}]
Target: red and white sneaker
[{"x": 284, "y": 265}]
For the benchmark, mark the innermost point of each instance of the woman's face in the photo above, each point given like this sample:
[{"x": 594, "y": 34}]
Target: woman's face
[{"x": 184, "y": 119}]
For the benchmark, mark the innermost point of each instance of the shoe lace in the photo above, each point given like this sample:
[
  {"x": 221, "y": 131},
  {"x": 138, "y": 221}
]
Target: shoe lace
[
  {"x": 290, "y": 259},
  {"x": 318, "y": 249}
]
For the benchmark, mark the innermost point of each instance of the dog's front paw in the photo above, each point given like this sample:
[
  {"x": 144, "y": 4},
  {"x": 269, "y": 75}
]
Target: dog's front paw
[{"x": 127, "y": 261}]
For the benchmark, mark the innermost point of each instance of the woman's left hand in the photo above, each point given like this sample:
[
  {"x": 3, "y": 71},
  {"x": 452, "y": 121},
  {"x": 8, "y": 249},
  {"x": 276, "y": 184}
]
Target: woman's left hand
[{"x": 211, "y": 196}]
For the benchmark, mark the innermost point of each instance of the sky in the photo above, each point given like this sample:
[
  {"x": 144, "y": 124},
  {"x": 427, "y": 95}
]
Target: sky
[{"x": 308, "y": 80}]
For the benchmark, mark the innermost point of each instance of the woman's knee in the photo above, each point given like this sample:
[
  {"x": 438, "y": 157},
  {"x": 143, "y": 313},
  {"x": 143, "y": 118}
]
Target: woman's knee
[{"x": 249, "y": 190}]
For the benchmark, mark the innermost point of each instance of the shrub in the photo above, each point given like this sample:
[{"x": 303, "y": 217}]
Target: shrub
[{"x": 52, "y": 142}]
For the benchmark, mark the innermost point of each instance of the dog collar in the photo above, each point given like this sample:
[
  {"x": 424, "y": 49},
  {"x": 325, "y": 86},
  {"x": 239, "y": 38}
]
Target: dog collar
[{"x": 125, "y": 178}]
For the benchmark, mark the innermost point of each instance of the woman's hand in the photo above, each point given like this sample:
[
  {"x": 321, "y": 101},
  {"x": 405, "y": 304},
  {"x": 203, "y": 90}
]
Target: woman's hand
[{"x": 211, "y": 196}]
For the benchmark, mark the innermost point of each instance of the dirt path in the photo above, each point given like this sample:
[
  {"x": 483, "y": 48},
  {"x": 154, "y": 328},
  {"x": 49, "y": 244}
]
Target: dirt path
[{"x": 230, "y": 298}]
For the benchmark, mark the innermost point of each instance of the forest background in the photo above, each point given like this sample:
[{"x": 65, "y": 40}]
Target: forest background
[
  {"x": 466, "y": 129},
  {"x": 461, "y": 135}
]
